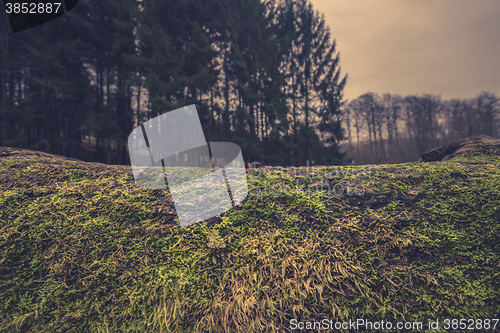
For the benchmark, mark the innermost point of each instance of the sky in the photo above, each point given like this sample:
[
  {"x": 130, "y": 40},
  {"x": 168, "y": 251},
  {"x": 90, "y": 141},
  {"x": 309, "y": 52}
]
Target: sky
[{"x": 449, "y": 48}]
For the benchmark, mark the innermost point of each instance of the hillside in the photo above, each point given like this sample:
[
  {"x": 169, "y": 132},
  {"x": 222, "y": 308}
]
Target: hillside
[{"x": 85, "y": 250}]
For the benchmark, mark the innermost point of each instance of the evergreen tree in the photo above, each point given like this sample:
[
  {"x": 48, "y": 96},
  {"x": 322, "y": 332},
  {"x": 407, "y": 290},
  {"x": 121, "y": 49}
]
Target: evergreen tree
[
  {"x": 263, "y": 74},
  {"x": 314, "y": 84}
]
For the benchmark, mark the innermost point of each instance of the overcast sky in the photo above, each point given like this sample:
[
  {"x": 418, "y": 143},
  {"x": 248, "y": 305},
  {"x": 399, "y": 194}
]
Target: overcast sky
[{"x": 444, "y": 47}]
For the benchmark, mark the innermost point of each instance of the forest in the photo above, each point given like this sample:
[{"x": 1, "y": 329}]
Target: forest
[
  {"x": 265, "y": 75},
  {"x": 398, "y": 129}
]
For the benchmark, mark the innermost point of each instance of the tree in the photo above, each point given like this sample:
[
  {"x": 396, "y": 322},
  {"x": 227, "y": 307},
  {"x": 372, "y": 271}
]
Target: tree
[
  {"x": 486, "y": 106},
  {"x": 264, "y": 74},
  {"x": 392, "y": 105},
  {"x": 313, "y": 77},
  {"x": 421, "y": 116}
]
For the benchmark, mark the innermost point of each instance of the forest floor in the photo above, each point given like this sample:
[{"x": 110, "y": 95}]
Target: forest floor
[{"x": 83, "y": 249}]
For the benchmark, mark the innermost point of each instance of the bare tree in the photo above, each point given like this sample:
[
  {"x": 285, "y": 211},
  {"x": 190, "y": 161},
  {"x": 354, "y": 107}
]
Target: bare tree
[
  {"x": 347, "y": 112},
  {"x": 486, "y": 110},
  {"x": 372, "y": 110},
  {"x": 392, "y": 105},
  {"x": 357, "y": 113},
  {"x": 455, "y": 123},
  {"x": 421, "y": 121},
  {"x": 478, "y": 115},
  {"x": 430, "y": 122}
]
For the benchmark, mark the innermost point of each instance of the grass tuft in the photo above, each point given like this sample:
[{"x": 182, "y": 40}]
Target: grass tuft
[{"x": 85, "y": 250}]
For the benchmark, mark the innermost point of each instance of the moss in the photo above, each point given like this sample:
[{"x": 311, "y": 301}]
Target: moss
[{"x": 85, "y": 250}]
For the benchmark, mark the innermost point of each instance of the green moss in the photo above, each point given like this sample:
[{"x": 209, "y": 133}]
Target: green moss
[{"x": 85, "y": 250}]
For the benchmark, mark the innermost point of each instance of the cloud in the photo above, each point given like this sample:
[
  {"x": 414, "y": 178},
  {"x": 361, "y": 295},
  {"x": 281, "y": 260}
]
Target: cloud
[{"x": 446, "y": 47}]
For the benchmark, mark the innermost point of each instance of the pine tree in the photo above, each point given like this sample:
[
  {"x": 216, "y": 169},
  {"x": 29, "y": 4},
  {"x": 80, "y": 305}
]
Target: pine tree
[{"x": 314, "y": 84}]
